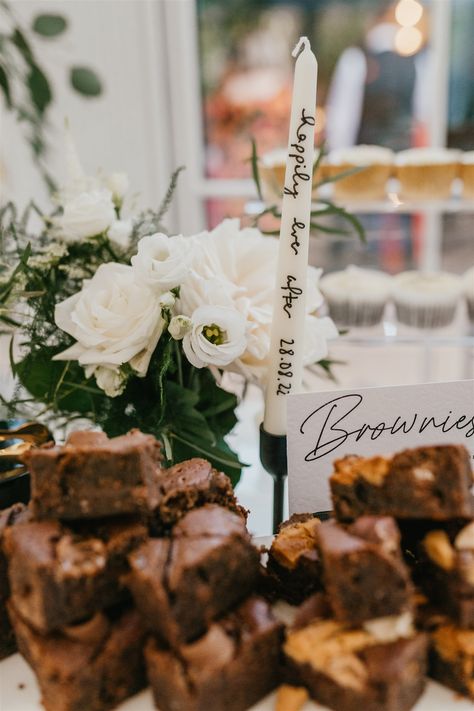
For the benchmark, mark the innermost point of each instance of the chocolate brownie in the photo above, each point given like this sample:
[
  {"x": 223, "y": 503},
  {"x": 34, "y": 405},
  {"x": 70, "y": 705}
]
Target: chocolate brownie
[
  {"x": 16, "y": 514},
  {"x": 91, "y": 666},
  {"x": 451, "y": 659},
  {"x": 363, "y": 570},
  {"x": 426, "y": 482},
  {"x": 60, "y": 575},
  {"x": 187, "y": 486},
  {"x": 446, "y": 573},
  {"x": 93, "y": 476},
  {"x": 348, "y": 668},
  {"x": 228, "y": 669},
  {"x": 207, "y": 565},
  {"x": 293, "y": 566}
]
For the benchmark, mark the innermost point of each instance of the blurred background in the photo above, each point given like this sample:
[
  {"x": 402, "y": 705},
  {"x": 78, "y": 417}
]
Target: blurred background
[{"x": 150, "y": 85}]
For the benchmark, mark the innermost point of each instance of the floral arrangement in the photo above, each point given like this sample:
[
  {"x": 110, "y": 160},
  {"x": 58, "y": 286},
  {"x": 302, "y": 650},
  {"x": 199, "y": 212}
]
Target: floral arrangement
[{"x": 118, "y": 322}]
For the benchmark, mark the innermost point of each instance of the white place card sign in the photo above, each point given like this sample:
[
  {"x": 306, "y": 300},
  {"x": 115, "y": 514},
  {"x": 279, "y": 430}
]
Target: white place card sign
[{"x": 325, "y": 426}]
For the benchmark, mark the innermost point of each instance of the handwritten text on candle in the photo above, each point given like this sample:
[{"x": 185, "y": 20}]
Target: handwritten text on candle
[
  {"x": 290, "y": 294},
  {"x": 284, "y": 369},
  {"x": 300, "y": 170}
]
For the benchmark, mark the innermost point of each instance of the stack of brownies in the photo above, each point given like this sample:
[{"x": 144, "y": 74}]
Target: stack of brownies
[
  {"x": 366, "y": 634},
  {"x": 119, "y": 570}
]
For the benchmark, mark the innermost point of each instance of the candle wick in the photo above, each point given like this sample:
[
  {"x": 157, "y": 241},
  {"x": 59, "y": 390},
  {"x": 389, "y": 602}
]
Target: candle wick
[{"x": 301, "y": 46}]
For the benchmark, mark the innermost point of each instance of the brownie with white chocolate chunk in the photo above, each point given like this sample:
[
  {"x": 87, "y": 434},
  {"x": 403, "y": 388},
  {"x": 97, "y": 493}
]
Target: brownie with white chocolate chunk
[
  {"x": 363, "y": 571},
  {"x": 92, "y": 476},
  {"x": 424, "y": 483},
  {"x": 446, "y": 572},
  {"x": 293, "y": 570},
  {"x": 374, "y": 667},
  {"x": 451, "y": 660},
  {"x": 62, "y": 574}
]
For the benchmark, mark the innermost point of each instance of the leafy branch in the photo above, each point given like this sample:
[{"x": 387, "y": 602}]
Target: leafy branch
[
  {"x": 24, "y": 83},
  {"x": 329, "y": 209}
]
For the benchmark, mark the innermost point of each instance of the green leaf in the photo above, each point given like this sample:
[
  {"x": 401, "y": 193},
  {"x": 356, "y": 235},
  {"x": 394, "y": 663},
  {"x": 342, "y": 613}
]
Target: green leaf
[
  {"x": 39, "y": 87},
  {"x": 182, "y": 414},
  {"x": 23, "y": 47},
  {"x": 347, "y": 216},
  {"x": 44, "y": 379},
  {"x": 340, "y": 176},
  {"x": 85, "y": 81},
  {"x": 49, "y": 25},
  {"x": 5, "y": 84},
  {"x": 255, "y": 171}
]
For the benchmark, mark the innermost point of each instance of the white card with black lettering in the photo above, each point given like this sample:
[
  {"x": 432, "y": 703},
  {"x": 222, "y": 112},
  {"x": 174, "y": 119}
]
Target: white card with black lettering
[{"x": 326, "y": 426}]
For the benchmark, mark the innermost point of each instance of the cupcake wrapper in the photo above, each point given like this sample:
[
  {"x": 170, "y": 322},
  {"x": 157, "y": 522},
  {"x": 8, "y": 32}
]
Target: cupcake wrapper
[
  {"x": 425, "y": 316},
  {"x": 347, "y": 313},
  {"x": 470, "y": 309}
]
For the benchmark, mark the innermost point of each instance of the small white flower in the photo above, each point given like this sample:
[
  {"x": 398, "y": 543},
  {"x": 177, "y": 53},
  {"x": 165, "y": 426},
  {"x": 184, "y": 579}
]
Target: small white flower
[
  {"x": 86, "y": 215},
  {"x": 217, "y": 336},
  {"x": 167, "y": 300},
  {"x": 118, "y": 184},
  {"x": 179, "y": 327},
  {"x": 162, "y": 262},
  {"x": 114, "y": 320},
  {"x": 111, "y": 380},
  {"x": 120, "y": 232}
]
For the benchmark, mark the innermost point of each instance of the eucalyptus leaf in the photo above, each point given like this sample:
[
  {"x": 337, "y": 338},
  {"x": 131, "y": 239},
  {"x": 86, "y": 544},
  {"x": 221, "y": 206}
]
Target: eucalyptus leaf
[
  {"x": 40, "y": 89},
  {"x": 49, "y": 25},
  {"x": 85, "y": 81},
  {"x": 5, "y": 84}
]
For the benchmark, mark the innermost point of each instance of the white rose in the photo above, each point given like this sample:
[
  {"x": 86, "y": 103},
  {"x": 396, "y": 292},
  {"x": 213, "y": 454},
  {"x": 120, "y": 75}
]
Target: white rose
[
  {"x": 86, "y": 215},
  {"x": 179, "y": 327},
  {"x": 217, "y": 336},
  {"x": 162, "y": 262},
  {"x": 120, "y": 232},
  {"x": 111, "y": 380},
  {"x": 114, "y": 320},
  {"x": 118, "y": 184}
]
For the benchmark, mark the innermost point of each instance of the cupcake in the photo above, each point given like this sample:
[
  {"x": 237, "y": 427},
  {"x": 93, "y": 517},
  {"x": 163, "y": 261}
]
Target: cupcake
[
  {"x": 468, "y": 289},
  {"x": 369, "y": 183},
  {"x": 466, "y": 172},
  {"x": 272, "y": 173},
  {"x": 427, "y": 173},
  {"x": 426, "y": 299},
  {"x": 356, "y": 297}
]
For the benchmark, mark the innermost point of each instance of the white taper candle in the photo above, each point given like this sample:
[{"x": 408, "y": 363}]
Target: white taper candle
[{"x": 289, "y": 309}]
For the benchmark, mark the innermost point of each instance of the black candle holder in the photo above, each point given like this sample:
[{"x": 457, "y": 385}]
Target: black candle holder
[
  {"x": 274, "y": 461},
  {"x": 273, "y": 458}
]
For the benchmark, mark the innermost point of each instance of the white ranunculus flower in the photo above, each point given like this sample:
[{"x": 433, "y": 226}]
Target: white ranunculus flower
[
  {"x": 217, "y": 337},
  {"x": 118, "y": 184},
  {"x": 86, "y": 215},
  {"x": 120, "y": 231},
  {"x": 114, "y": 319},
  {"x": 162, "y": 262},
  {"x": 110, "y": 380},
  {"x": 236, "y": 268},
  {"x": 179, "y": 327}
]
